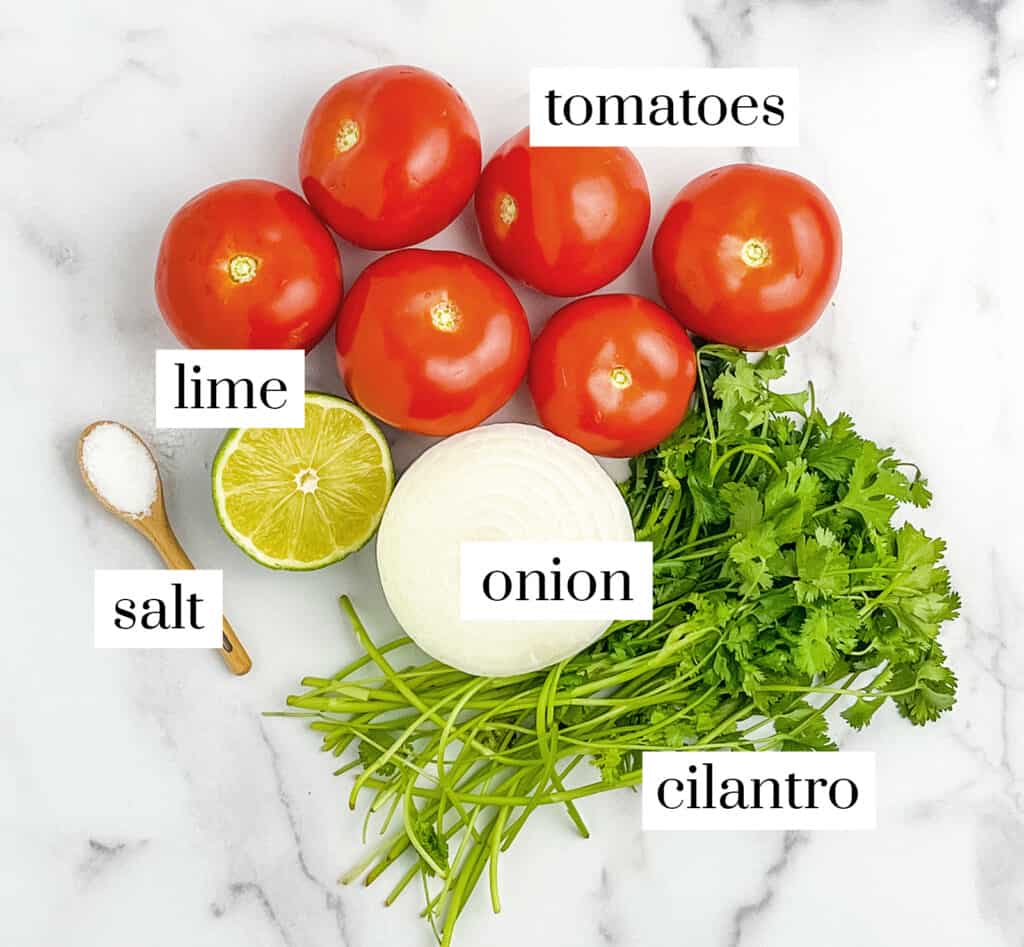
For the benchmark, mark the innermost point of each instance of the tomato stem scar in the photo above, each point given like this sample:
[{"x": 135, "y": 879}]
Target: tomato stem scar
[
  {"x": 620, "y": 377},
  {"x": 242, "y": 268},
  {"x": 756, "y": 252},
  {"x": 348, "y": 136},
  {"x": 507, "y": 209},
  {"x": 445, "y": 316}
]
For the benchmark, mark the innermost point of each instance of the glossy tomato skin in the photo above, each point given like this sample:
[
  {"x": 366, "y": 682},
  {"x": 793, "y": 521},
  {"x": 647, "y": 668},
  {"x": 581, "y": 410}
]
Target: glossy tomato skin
[
  {"x": 247, "y": 265},
  {"x": 748, "y": 256},
  {"x": 565, "y": 221},
  {"x": 389, "y": 156},
  {"x": 431, "y": 341},
  {"x": 612, "y": 373}
]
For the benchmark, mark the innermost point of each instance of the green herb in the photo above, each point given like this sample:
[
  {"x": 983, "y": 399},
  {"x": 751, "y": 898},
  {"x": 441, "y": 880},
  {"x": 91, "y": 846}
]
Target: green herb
[{"x": 782, "y": 589}]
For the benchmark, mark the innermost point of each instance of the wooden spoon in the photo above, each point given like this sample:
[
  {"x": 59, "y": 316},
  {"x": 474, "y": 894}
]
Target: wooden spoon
[{"x": 154, "y": 525}]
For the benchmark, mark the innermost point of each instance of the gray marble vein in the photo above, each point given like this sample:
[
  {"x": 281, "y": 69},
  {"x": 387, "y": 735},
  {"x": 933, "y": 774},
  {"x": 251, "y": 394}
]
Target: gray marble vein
[
  {"x": 747, "y": 915},
  {"x": 101, "y": 857},
  {"x": 331, "y": 893},
  {"x": 239, "y": 891}
]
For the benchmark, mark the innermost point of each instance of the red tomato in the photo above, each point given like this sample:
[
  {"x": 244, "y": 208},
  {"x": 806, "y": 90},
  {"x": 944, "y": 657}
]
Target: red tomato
[
  {"x": 748, "y": 256},
  {"x": 247, "y": 265},
  {"x": 565, "y": 221},
  {"x": 613, "y": 374},
  {"x": 431, "y": 341},
  {"x": 389, "y": 156}
]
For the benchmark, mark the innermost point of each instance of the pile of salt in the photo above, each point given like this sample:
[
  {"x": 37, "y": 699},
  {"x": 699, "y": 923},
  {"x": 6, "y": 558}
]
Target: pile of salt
[{"x": 120, "y": 468}]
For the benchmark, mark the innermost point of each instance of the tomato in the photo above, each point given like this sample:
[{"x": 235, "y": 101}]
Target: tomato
[
  {"x": 247, "y": 265},
  {"x": 612, "y": 373},
  {"x": 389, "y": 157},
  {"x": 748, "y": 256},
  {"x": 431, "y": 341},
  {"x": 565, "y": 221}
]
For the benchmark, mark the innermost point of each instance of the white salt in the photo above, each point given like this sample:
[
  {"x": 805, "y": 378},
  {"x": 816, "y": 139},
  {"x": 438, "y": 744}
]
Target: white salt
[{"x": 120, "y": 468}]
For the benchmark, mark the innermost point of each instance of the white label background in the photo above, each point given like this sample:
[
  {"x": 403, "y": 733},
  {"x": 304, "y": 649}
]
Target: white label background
[
  {"x": 110, "y": 585},
  {"x": 728, "y": 84},
  {"x": 477, "y": 559},
  {"x": 257, "y": 365},
  {"x": 667, "y": 764}
]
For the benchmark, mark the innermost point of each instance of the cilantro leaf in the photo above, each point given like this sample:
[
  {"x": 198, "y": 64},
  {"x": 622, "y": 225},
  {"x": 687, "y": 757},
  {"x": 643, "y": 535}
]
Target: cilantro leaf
[
  {"x": 827, "y": 631},
  {"x": 613, "y": 764},
  {"x": 821, "y": 567},
  {"x": 751, "y": 559},
  {"x": 772, "y": 364},
  {"x": 708, "y": 506},
  {"x": 836, "y": 451},
  {"x": 435, "y": 845},
  {"x": 876, "y": 487},
  {"x": 803, "y": 728},
  {"x": 745, "y": 505},
  {"x": 932, "y": 688},
  {"x": 738, "y": 392},
  {"x": 920, "y": 495},
  {"x": 791, "y": 499},
  {"x": 369, "y": 754},
  {"x": 858, "y": 715}
]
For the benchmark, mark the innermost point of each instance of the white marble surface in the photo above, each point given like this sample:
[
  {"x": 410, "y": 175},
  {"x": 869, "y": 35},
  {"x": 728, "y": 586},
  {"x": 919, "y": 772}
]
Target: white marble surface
[{"x": 143, "y": 800}]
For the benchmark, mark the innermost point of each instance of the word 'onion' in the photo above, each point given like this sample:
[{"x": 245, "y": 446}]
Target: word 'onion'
[{"x": 512, "y": 482}]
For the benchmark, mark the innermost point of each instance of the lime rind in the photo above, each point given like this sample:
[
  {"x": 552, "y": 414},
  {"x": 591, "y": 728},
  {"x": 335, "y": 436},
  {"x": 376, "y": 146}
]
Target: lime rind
[{"x": 231, "y": 443}]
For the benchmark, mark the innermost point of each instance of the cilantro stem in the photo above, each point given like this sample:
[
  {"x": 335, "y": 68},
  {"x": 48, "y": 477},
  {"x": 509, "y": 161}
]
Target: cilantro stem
[
  {"x": 809, "y": 425},
  {"x": 753, "y": 450},
  {"x": 708, "y": 414}
]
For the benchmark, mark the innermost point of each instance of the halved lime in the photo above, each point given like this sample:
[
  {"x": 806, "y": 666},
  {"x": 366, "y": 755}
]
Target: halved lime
[{"x": 303, "y": 498}]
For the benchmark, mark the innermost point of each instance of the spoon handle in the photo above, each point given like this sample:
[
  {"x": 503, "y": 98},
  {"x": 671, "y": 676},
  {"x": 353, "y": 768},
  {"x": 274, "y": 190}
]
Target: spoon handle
[{"x": 231, "y": 650}]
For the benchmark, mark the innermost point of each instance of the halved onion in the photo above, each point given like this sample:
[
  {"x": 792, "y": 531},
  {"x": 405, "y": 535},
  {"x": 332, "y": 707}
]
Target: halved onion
[{"x": 498, "y": 482}]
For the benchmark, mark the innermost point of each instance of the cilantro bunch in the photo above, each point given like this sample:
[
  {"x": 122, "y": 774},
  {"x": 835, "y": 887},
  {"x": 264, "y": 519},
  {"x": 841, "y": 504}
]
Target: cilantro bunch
[{"x": 782, "y": 588}]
